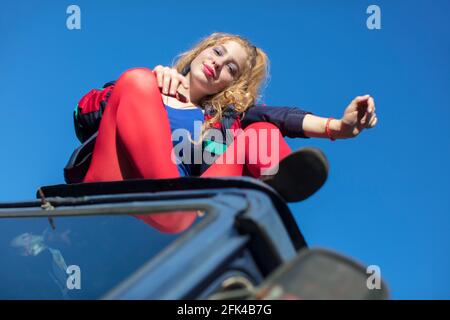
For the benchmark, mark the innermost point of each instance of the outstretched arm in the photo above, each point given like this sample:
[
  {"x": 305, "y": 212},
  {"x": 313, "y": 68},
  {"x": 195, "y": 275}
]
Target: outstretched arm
[
  {"x": 288, "y": 119},
  {"x": 359, "y": 114}
]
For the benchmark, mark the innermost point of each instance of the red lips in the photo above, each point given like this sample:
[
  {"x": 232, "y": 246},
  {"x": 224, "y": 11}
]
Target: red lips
[{"x": 209, "y": 72}]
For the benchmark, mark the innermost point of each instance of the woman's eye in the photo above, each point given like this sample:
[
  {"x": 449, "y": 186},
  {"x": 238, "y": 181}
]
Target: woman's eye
[
  {"x": 218, "y": 52},
  {"x": 232, "y": 69}
]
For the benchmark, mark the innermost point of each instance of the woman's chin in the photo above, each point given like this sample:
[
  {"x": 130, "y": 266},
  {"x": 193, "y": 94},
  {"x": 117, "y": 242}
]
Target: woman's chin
[
  {"x": 203, "y": 78},
  {"x": 203, "y": 85}
]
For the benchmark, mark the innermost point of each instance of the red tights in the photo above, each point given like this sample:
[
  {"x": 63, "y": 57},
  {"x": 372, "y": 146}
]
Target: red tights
[{"x": 134, "y": 142}]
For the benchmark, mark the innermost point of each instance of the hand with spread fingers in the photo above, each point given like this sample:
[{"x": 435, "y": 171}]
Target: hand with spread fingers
[
  {"x": 359, "y": 115},
  {"x": 171, "y": 82}
]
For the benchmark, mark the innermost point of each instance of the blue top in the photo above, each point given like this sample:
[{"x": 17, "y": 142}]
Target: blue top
[{"x": 188, "y": 123}]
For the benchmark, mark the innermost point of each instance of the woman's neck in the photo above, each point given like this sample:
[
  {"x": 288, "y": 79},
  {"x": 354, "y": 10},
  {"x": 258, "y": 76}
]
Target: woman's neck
[
  {"x": 193, "y": 94},
  {"x": 177, "y": 104}
]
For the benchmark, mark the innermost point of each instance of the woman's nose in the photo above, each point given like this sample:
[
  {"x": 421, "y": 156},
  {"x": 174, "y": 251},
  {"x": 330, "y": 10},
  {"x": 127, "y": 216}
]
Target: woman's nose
[{"x": 217, "y": 64}]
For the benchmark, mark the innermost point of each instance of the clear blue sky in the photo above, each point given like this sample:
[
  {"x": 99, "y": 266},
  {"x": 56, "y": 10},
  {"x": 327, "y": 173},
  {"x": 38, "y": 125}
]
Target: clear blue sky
[{"x": 387, "y": 198}]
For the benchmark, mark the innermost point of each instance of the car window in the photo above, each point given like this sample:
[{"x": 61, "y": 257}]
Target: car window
[{"x": 106, "y": 249}]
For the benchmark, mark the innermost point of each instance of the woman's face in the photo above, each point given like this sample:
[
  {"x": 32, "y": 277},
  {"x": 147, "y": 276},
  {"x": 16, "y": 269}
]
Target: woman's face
[{"x": 216, "y": 67}]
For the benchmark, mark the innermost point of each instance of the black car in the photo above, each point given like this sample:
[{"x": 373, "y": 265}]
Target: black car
[{"x": 82, "y": 241}]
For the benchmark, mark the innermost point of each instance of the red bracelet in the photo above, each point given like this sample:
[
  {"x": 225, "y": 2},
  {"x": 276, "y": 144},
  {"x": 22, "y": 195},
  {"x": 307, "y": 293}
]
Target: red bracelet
[{"x": 327, "y": 129}]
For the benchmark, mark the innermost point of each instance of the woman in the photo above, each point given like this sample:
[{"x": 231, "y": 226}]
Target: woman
[{"x": 143, "y": 108}]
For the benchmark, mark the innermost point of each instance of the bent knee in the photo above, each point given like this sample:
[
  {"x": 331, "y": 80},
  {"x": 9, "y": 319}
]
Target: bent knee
[{"x": 139, "y": 78}]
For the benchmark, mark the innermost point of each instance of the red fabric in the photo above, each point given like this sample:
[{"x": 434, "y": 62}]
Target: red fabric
[
  {"x": 258, "y": 147},
  {"x": 134, "y": 142},
  {"x": 90, "y": 102}
]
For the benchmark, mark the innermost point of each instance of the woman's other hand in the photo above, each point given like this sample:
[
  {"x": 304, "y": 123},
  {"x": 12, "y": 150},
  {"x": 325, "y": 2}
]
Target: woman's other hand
[
  {"x": 359, "y": 114},
  {"x": 169, "y": 82}
]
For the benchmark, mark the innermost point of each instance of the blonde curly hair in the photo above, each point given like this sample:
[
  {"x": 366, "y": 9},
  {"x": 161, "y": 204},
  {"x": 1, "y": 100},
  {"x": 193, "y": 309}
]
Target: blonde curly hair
[{"x": 242, "y": 92}]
